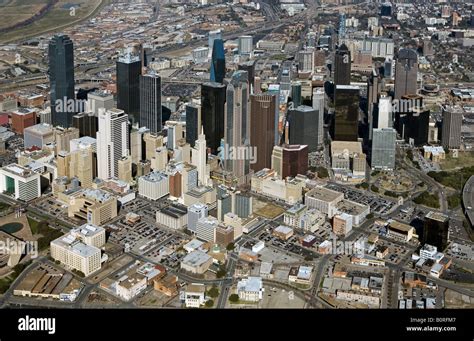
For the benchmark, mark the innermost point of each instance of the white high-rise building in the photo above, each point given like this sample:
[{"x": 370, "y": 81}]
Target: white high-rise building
[
  {"x": 385, "y": 113},
  {"x": 206, "y": 228},
  {"x": 112, "y": 141},
  {"x": 196, "y": 212},
  {"x": 318, "y": 104},
  {"x": 199, "y": 159}
]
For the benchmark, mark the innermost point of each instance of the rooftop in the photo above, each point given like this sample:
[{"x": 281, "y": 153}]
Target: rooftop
[
  {"x": 196, "y": 258},
  {"x": 324, "y": 194}
]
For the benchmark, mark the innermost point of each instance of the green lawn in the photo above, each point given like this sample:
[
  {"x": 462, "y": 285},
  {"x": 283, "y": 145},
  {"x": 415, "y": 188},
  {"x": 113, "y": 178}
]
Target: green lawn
[
  {"x": 454, "y": 179},
  {"x": 465, "y": 159}
]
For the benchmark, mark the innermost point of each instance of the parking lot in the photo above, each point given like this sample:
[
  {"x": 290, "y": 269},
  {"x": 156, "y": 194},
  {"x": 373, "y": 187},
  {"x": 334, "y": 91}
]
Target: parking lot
[
  {"x": 292, "y": 245},
  {"x": 377, "y": 204}
]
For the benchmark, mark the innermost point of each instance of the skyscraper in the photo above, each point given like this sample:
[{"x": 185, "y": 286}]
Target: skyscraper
[
  {"x": 61, "y": 77},
  {"x": 303, "y": 127},
  {"x": 383, "y": 113},
  {"x": 112, "y": 142},
  {"x": 306, "y": 60},
  {"x": 296, "y": 94},
  {"x": 342, "y": 25},
  {"x": 452, "y": 122},
  {"x": 212, "y": 113},
  {"x": 196, "y": 212},
  {"x": 86, "y": 122},
  {"x": 374, "y": 87},
  {"x": 342, "y": 66},
  {"x": 237, "y": 127},
  {"x": 129, "y": 69},
  {"x": 346, "y": 115},
  {"x": 383, "y": 149},
  {"x": 294, "y": 161},
  {"x": 406, "y": 71},
  {"x": 263, "y": 111},
  {"x": 193, "y": 123},
  {"x": 199, "y": 159},
  {"x": 150, "y": 102},
  {"x": 318, "y": 104},
  {"x": 412, "y": 120},
  {"x": 218, "y": 61},
  {"x": 245, "y": 45},
  {"x": 436, "y": 230},
  {"x": 213, "y": 35}
]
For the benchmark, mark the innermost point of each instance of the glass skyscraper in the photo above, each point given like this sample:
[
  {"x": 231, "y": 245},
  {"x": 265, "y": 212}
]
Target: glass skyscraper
[
  {"x": 150, "y": 102},
  {"x": 346, "y": 116},
  {"x": 129, "y": 70},
  {"x": 61, "y": 76},
  {"x": 213, "y": 98},
  {"x": 218, "y": 61}
]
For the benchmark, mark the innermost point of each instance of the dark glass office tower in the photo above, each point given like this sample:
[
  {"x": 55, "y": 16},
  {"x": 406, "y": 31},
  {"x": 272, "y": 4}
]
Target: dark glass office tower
[
  {"x": 406, "y": 71},
  {"x": 346, "y": 114},
  {"x": 263, "y": 110},
  {"x": 250, "y": 68},
  {"x": 212, "y": 113},
  {"x": 412, "y": 120},
  {"x": 303, "y": 127},
  {"x": 193, "y": 119},
  {"x": 342, "y": 66},
  {"x": 436, "y": 230},
  {"x": 218, "y": 61},
  {"x": 150, "y": 102},
  {"x": 61, "y": 76},
  {"x": 129, "y": 69},
  {"x": 87, "y": 123}
]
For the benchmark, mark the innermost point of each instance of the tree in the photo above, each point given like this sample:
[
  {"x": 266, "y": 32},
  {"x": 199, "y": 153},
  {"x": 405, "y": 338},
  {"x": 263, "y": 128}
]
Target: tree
[
  {"x": 209, "y": 303},
  {"x": 213, "y": 292},
  {"x": 234, "y": 298},
  {"x": 370, "y": 216},
  {"x": 374, "y": 188},
  {"x": 230, "y": 247}
]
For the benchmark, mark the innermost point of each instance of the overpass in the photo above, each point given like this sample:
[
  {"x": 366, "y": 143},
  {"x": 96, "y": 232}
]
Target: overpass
[{"x": 468, "y": 199}]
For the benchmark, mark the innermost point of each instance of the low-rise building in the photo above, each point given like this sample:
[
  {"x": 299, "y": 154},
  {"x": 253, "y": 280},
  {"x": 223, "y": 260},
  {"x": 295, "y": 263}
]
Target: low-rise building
[
  {"x": 300, "y": 275},
  {"x": 283, "y": 232},
  {"x": 130, "y": 285},
  {"x": 21, "y": 182},
  {"x": 174, "y": 216},
  {"x": 196, "y": 262},
  {"x": 324, "y": 200},
  {"x": 400, "y": 231},
  {"x": 96, "y": 206},
  {"x": 195, "y": 295},
  {"x": 250, "y": 289},
  {"x": 154, "y": 185}
]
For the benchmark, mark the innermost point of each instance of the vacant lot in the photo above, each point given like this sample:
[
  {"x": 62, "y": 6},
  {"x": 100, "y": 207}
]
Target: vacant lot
[
  {"x": 465, "y": 159},
  {"x": 57, "y": 17}
]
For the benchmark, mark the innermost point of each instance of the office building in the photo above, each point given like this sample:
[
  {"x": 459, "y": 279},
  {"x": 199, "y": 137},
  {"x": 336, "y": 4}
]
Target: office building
[
  {"x": 406, "y": 73},
  {"x": 277, "y": 161},
  {"x": 125, "y": 169},
  {"x": 306, "y": 61},
  {"x": 346, "y": 116},
  {"x": 324, "y": 200},
  {"x": 199, "y": 159},
  {"x": 452, "y": 123},
  {"x": 129, "y": 69},
  {"x": 96, "y": 206},
  {"x": 342, "y": 224},
  {"x": 295, "y": 160},
  {"x": 245, "y": 45},
  {"x": 224, "y": 205},
  {"x": 213, "y": 99},
  {"x": 383, "y": 149},
  {"x": 61, "y": 77},
  {"x": 154, "y": 185},
  {"x": 38, "y": 135},
  {"x": 263, "y": 119},
  {"x": 196, "y": 262},
  {"x": 224, "y": 235},
  {"x": 303, "y": 127},
  {"x": 86, "y": 123},
  {"x": 242, "y": 204},
  {"x": 195, "y": 295},
  {"x": 413, "y": 123},
  {"x": 20, "y": 182},
  {"x": 193, "y": 123},
  {"x": 174, "y": 216},
  {"x": 99, "y": 99},
  {"x": 80, "y": 248},
  {"x": 150, "y": 102},
  {"x": 196, "y": 212},
  {"x": 205, "y": 228},
  {"x": 112, "y": 142},
  {"x": 318, "y": 105},
  {"x": 81, "y": 166},
  {"x": 342, "y": 66},
  {"x": 436, "y": 230},
  {"x": 213, "y": 35},
  {"x": 218, "y": 61},
  {"x": 237, "y": 127},
  {"x": 23, "y": 118},
  {"x": 138, "y": 145}
]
